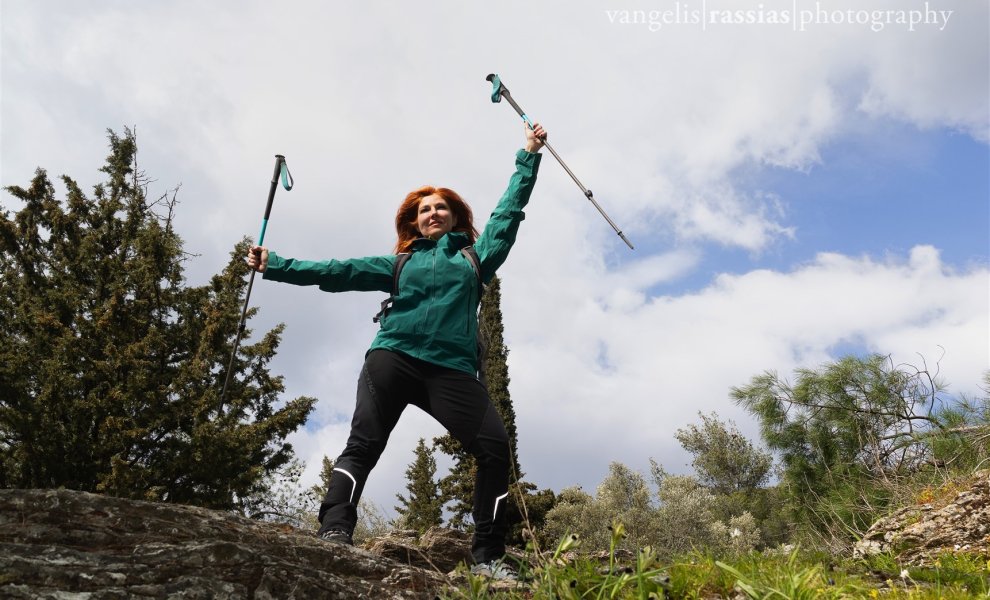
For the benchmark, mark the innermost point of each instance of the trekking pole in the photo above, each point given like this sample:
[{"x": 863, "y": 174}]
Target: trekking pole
[
  {"x": 280, "y": 169},
  {"x": 499, "y": 91}
]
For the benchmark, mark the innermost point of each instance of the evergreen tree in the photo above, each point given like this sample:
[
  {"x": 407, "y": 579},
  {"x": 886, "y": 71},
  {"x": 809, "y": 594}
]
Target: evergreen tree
[
  {"x": 319, "y": 490},
  {"x": 457, "y": 487},
  {"x": 423, "y": 508},
  {"x": 845, "y": 433},
  {"x": 111, "y": 369},
  {"x": 495, "y": 367}
]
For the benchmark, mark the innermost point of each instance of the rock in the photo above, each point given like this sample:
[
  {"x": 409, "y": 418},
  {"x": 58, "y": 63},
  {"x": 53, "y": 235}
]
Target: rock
[
  {"x": 69, "y": 544},
  {"x": 919, "y": 534},
  {"x": 447, "y": 548},
  {"x": 438, "y": 549}
]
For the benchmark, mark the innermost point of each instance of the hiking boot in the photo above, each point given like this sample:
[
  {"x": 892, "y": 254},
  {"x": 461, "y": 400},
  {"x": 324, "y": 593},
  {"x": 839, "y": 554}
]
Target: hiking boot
[
  {"x": 337, "y": 536},
  {"x": 494, "y": 569}
]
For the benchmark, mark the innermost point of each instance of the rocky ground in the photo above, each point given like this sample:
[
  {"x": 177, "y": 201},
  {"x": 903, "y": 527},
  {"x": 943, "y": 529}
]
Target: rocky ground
[
  {"x": 68, "y": 544},
  {"x": 62, "y": 544}
]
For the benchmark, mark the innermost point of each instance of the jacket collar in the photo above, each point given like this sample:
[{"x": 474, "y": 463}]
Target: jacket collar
[{"x": 451, "y": 243}]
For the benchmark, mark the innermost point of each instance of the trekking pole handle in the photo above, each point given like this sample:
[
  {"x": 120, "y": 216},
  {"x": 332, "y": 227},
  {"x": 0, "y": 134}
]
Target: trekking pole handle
[
  {"x": 503, "y": 92},
  {"x": 283, "y": 170}
]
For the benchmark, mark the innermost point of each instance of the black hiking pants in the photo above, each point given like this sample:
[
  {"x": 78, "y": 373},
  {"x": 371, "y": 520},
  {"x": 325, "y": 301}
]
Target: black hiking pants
[{"x": 389, "y": 382}]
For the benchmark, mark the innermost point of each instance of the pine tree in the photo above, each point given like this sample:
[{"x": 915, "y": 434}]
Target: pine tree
[
  {"x": 423, "y": 508},
  {"x": 496, "y": 365},
  {"x": 111, "y": 369},
  {"x": 844, "y": 433},
  {"x": 319, "y": 490},
  {"x": 457, "y": 487}
]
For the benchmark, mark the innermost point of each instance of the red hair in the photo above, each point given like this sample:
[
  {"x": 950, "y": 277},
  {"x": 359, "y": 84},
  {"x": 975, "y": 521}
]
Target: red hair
[{"x": 405, "y": 218}]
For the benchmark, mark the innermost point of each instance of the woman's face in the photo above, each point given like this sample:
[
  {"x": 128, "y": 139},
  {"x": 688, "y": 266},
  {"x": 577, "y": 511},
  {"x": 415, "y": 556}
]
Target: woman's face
[{"x": 435, "y": 219}]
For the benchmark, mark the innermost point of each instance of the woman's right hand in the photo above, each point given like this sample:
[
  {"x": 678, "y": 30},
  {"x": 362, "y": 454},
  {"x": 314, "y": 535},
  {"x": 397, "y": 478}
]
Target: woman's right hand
[
  {"x": 257, "y": 258},
  {"x": 535, "y": 136}
]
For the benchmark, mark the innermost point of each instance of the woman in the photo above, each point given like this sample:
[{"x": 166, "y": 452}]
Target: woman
[{"x": 425, "y": 353}]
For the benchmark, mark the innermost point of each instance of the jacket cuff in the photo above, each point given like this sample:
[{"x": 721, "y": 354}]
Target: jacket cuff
[
  {"x": 530, "y": 158},
  {"x": 275, "y": 263}
]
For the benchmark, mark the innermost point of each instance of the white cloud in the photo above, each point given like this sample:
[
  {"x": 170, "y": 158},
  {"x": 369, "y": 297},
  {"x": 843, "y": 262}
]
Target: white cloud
[
  {"x": 672, "y": 356},
  {"x": 922, "y": 83}
]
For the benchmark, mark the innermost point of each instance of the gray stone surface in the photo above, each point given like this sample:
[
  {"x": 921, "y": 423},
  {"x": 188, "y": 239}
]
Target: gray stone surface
[
  {"x": 437, "y": 550},
  {"x": 919, "y": 534},
  {"x": 63, "y": 544}
]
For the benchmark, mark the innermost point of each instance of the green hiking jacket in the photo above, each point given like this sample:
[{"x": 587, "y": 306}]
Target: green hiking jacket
[{"x": 434, "y": 316}]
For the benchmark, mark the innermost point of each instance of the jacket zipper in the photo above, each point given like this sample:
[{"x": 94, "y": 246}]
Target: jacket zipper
[{"x": 431, "y": 294}]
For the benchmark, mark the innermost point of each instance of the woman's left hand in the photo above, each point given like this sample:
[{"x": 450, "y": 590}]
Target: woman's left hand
[{"x": 534, "y": 137}]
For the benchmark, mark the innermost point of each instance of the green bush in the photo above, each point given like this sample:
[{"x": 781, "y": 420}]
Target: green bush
[{"x": 680, "y": 519}]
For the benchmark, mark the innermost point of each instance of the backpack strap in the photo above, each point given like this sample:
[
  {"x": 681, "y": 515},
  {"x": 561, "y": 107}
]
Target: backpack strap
[
  {"x": 472, "y": 256},
  {"x": 400, "y": 261},
  {"x": 481, "y": 342}
]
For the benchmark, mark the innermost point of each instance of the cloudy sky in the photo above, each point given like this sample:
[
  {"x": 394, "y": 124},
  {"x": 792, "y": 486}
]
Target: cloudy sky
[{"x": 801, "y": 180}]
